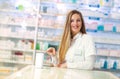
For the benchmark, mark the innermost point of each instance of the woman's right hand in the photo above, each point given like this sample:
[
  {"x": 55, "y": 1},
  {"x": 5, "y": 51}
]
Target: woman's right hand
[{"x": 51, "y": 51}]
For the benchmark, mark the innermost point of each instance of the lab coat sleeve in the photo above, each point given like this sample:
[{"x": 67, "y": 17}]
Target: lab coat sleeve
[
  {"x": 89, "y": 57},
  {"x": 88, "y": 64},
  {"x": 89, "y": 46}
]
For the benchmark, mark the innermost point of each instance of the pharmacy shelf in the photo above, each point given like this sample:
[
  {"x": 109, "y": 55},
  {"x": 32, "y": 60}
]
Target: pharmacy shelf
[
  {"x": 16, "y": 36},
  {"x": 51, "y": 27},
  {"x": 19, "y": 11},
  {"x": 106, "y": 40},
  {"x": 17, "y": 23},
  {"x": 16, "y": 49},
  {"x": 16, "y": 62},
  {"x": 87, "y": 13},
  {"x": 40, "y": 51},
  {"x": 49, "y": 39},
  {"x": 106, "y": 37},
  {"x": 107, "y": 56},
  {"x": 48, "y": 14},
  {"x": 51, "y": 14}
]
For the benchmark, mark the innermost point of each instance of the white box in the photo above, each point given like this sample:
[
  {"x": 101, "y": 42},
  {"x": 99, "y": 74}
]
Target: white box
[{"x": 39, "y": 60}]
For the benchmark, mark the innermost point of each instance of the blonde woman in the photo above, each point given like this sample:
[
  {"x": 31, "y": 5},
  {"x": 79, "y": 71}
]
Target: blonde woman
[{"x": 76, "y": 49}]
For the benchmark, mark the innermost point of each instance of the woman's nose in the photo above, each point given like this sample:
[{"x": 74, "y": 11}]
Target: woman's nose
[{"x": 75, "y": 22}]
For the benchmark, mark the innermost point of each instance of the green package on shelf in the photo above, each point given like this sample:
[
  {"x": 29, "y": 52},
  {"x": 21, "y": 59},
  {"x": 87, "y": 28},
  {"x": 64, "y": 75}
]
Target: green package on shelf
[
  {"x": 105, "y": 66},
  {"x": 37, "y": 46},
  {"x": 64, "y": 0},
  {"x": 46, "y": 46},
  {"x": 114, "y": 65},
  {"x": 20, "y": 7},
  {"x": 100, "y": 28},
  {"x": 74, "y": 1},
  {"x": 114, "y": 29}
]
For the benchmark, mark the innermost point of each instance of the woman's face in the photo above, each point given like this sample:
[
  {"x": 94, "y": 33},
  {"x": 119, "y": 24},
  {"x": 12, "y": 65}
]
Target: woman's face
[{"x": 76, "y": 24}]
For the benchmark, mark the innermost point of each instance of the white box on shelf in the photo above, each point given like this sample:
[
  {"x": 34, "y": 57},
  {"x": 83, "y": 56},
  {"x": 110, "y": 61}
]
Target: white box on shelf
[
  {"x": 103, "y": 52},
  {"x": 114, "y": 53},
  {"x": 39, "y": 60}
]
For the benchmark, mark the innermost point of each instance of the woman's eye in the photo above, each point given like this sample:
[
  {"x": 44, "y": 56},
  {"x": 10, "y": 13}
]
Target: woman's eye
[{"x": 78, "y": 20}]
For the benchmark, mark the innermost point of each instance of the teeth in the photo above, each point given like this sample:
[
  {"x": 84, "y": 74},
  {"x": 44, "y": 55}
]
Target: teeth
[{"x": 75, "y": 27}]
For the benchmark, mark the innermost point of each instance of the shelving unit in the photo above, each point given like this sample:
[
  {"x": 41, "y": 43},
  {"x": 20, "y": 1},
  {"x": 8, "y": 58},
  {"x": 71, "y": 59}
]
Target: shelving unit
[{"x": 18, "y": 29}]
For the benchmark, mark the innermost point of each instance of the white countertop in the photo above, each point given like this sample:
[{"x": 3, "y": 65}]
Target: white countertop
[{"x": 31, "y": 72}]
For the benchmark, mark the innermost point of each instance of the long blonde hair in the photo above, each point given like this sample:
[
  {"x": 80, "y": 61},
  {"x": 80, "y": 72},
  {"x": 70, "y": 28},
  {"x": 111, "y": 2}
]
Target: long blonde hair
[{"x": 67, "y": 36}]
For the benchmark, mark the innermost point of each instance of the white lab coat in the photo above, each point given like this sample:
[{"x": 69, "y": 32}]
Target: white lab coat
[{"x": 81, "y": 53}]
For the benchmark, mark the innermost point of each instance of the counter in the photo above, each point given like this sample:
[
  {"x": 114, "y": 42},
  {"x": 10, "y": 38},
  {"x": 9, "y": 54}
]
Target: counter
[
  {"x": 9, "y": 69},
  {"x": 31, "y": 72}
]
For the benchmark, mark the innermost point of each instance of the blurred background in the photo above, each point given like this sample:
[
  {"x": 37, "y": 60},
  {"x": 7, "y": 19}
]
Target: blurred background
[{"x": 29, "y": 27}]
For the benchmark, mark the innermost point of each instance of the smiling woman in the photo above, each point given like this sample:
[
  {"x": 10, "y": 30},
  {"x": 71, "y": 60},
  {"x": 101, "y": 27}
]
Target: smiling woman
[
  {"x": 76, "y": 49},
  {"x": 75, "y": 24}
]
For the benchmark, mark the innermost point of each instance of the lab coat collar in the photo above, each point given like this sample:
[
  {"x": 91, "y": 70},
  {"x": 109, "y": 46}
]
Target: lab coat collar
[{"x": 77, "y": 36}]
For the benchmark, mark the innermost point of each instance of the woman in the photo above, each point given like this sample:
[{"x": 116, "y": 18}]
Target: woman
[{"x": 77, "y": 49}]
